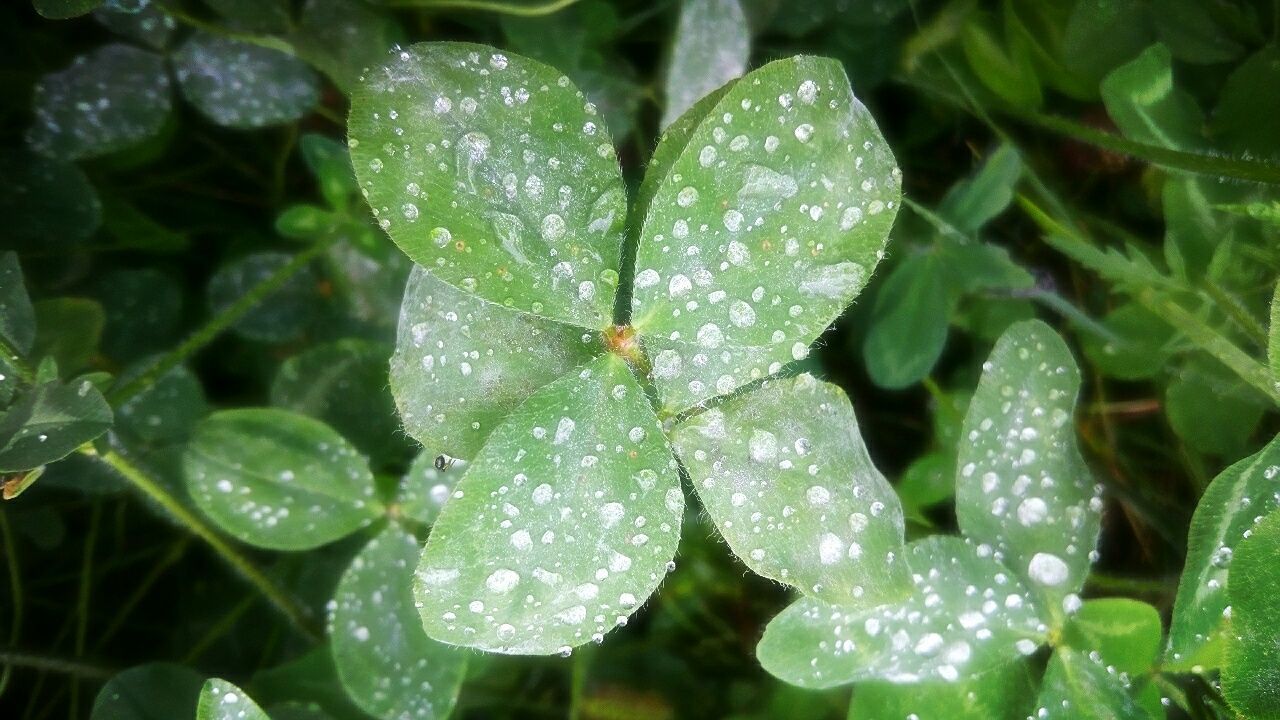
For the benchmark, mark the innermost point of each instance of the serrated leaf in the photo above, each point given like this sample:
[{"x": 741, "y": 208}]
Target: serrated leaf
[
  {"x": 971, "y": 203},
  {"x": 220, "y": 700},
  {"x": 1227, "y": 510},
  {"x": 766, "y": 226},
  {"x": 967, "y": 614},
  {"x": 424, "y": 490},
  {"x": 48, "y": 422},
  {"x": 17, "y": 317},
  {"x": 239, "y": 85},
  {"x": 106, "y": 100},
  {"x": 783, "y": 472},
  {"x": 1002, "y": 693},
  {"x": 1078, "y": 687},
  {"x": 561, "y": 527},
  {"x": 493, "y": 172},
  {"x": 462, "y": 365},
  {"x": 1022, "y": 486},
  {"x": 155, "y": 691},
  {"x": 278, "y": 480},
  {"x": 280, "y": 316},
  {"x": 386, "y": 662},
  {"x": 1143, "y": 100},
  {"x": 1251, "y": 676},
  {"x": 710, "y": 48},
  {"x": 909, "y": 322},
  {"x": 47, "y": 204},
  {"x": 1125, "y": 633}
]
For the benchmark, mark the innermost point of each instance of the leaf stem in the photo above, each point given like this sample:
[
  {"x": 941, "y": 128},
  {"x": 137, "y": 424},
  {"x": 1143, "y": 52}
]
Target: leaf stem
[
  {"x": 74, "y": 668},
  {"x": 217, "y": 324},
  {"x": 299, "y": 616}
]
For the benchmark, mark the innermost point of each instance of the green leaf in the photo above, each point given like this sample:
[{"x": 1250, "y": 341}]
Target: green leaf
[
  {"x": 17, "y": 317},
  {"x": 1141, "y": 344},
  {"x": 167, "y": 411},
  {"x": 1273, "y": 338},
  {"x": 48, "y": 422},
  {"x": 1144, "y": 102},
  {"x": 1126, "y": 633},
  {"x": 1212, "y": 410},
  {"x": 973, "y": 267},
  {"x": 1250, "y": 95},
  {"x": 278, "y": 480},
  {"x": 1002, "y": 693},
  {"x": 263, "y": 16},
  {"x": 927, "y": 481},
  {"x": 768, "y": 223},
  {"x": 1022, "y": 488},
  {"x": 220, "y": 700},
  {"x": 967, "y": 615},
  {"x": 970, "y": 204},
  {"x": 344, "y": 37},
  {"x": 462, "y": 365},
  {"x": 149, "y": 26},
  {"x": 68, "y": 330},
  {"x": 142, "y": 310},
  {"x": 1193, "y": 33},
  {"x": 424, "y": 490},
  {"x": 1076, "y": 686},
  {"x": 305, "y": 222},
  {"x": 64, "y": 9},
  {"x": 344, "y": 384},
  {"x": 310, "y": 678},
  {"x": 386, "y": 662},
  {"x": 1101, "y": 35},
  {"x": 491, "y": 170},
  {"x": 239, "y": 85},
  {"x": 156, "y": 691},
  {"x": 329, "y": 161},
  {"x": 565, "y": 522},
  {"x": 783, "y": 472},
  {"x": 1004, "y": 67},
  {"x": 1226, "y": 512},
  {"x": 105, "y": 101},
  {"x": 909, "y": 322},
  {"x": 1251, "y": 677},
  {"x": 47, "y": 204},
  {"x": 710, "y": 48},
  {"x": 283, "y": 314}
]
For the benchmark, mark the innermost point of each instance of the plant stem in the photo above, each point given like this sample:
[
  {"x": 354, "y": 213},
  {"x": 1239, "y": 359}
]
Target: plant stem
[
  {"x": 176, "y": 551},
  {"x": 502, "y": 8},
  {"x": 74, "y": 668},
  {"x": 15, "y": 586},
  {"x": 217, "y": 324},
  {"x": 297, "y": 615}
]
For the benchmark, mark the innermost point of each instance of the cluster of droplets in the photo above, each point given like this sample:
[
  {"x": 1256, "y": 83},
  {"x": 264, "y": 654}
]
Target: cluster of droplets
[{"x": 242, "y": 85}]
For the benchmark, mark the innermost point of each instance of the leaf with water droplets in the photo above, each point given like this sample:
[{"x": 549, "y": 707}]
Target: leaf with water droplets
[
  {"x": 1273, "y": 338},
  {"x": 785, "y": 475},
  {"x": 105, "y": 101},
  {"x": 277, "y": 479},
  {"x": 424, "y": 489},
  {"x": 1002, "y": 693},
  {"x": 1251, "y": 675},
  {"x": 155, "y": 691},
  {"x": 710, "y": 48},
  {"x": 1126, "y": 633},
  {"x": 386, "y": 662},
  {"x": 166, "y": 412},
  {"x": 1231, "y": 505},
  {"x": 150, "y": 25},
  {"x": 561, "y": 527},
  {"x": 462, "y": 365},
  {"x": 492, "y": 171},
  {"x": 1078, "y": 686},
  {"x": 220, "y": 700},
  {"x": 967, "y": 614},
  {"x": 48, "y": 205},
  {"x": 283, "y": 314},
  {"x": 17, "y": 316},
  {"x": 48, "y": 422},
  {"x": 239, "y": 85},
  {"x": 1021, "y": 486},
  {"x": 763, "y": 229}
]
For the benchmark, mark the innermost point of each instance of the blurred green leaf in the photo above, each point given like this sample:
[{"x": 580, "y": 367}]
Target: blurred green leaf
[
  {"x": 1002, "y": 693},
  {"x": 304, "y": 222},
  {"x": 132, "y": 229},
  {"x": 68, "y": 330},
  {"x": 710, "y": 47},
  {"x": 150, "y": 25},
  {"x": 342, "y": 38},
  {"x": 972, "y": 203},
  {"x": 1250, "y": 96},
  {"x": 142, "y": 311},
  {"x": 165, "y": 412},
  {"x": 1212, "y": 410},
  {"x": 1101, "y": 35},
  {"x": 1078, "y": 687},
  {"x": 1190, "y": 28},
  {"x": 48, "y": 205},
  {"x": 280, "y": 316},
  {"x": 17, "y": 316},
  {"x": 909, "y": 322},
  {"x": 156, "y": 691},
  {"x": 1003, "y": 64},
  {"x": 1251, "y": 677},
  {"x": 264, "y": 16},
  {"x": 1146, "y": 104},
  {"x": 64, "y": 9},
  {"x": 1139, "y": 348},
  {"x": 1273, "y": 338},
  {"x": 239, "y": 85},
  {"x": 1126, "y": 633},
  {"x": 329, "y": 162}
]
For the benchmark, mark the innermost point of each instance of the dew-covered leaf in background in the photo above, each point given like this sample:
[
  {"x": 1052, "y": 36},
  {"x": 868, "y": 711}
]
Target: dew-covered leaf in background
[
  {"x": 150, "y": 25},
  {"x": 1226, "y": 515},
  {"x": 165, "y": 412},
  {"x": 220, "y": 700},
  {"x": 155, "y": 691},
  {"x": 344, "y": 37},
  {"x": 1251, "y": 675},
  {"x": 1078, "y": 687},
  {"x": 493, "y": 172},
  {"x": 909, "y": 322},
  {"x": 106, "y": 100},
  {"x": 424, "y": 489},
  {"x": 1125, "y": 632},
  {"x": 1143, "y": 100},
  {"x": 17, "y": 317},
  {"x": 142, "y": 311},
  {"x": 1022, "y": 488},
  {"x": 711, "y": 45},
  {"x": 47, "y": 204},
  {"x": 766, "y": 226},
  {"x": 783, "y": 472},
  {"x": 344, "y": 384},
  {"x": 462, "y": 365},
  {"x": 386, "y": 662},
  {"x": 563, "y": 524},
  {"x": 64, "y": 9},
  {"x": 239, "y": 85},
  {"x": 967, "y": 614},
  {"x": 261, "y": 16},
  {"x": 1001, "y": 693},
  {"x": 49, "y": 421},
  {"x": 280, "y": 316},
  {"x": 277, "y": 479}
]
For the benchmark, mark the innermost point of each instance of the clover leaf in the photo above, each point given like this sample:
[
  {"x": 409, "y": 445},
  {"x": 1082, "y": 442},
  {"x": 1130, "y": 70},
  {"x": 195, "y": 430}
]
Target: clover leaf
[
  {"x": 1251, "y": 675},
  {"x": 220, "y": 700}
]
